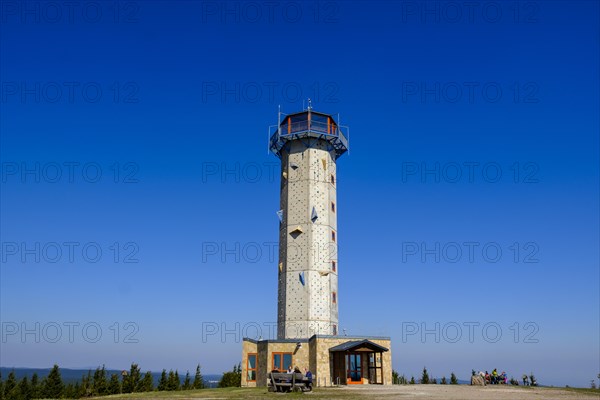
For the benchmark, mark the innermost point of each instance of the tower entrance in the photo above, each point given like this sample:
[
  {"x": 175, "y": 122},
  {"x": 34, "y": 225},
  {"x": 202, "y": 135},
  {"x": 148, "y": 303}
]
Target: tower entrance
[
  {"x": 358, "y": 362},
  {"x": 354, "y": 368}
]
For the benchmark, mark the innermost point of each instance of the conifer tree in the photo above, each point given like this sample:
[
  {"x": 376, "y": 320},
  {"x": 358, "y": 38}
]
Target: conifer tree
[
  {"x": 425, "y": 377},
  {"x": 69, "y": 392},
  {"x": 35, "y": 386},
  {"x": 10, "y": 384},
  {"x": 147, "y": 384},
  {"x": 453, "y": 380},
  {"x": 85, "y": 389},
  {"x": 99, "y": 385},
  {"x": 77, "y": 390},
  {"x": 53, "y": 385},
  {"x": 135, "y": 376},
  {"x": 163, "y": 382},
  {"x": 198, "y": 379},
  {"x": 125, "y": 384},
  {"x": 187, "y": 385},
  {"x": 15, "y": 392},
  {"x": 25, "y": 388},
  {"x": 412, "y": 380},
  {"x": 173, "y": 381},
  {"x": 170, "y": 379},
  {"x": 114, "y": 384},
  {"x": 443, "y": 381},
  {"x": 131, "y": 381}
]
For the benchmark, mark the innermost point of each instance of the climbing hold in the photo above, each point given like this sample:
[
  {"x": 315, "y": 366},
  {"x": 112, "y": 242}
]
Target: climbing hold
[
  {"x": 301, "y": 276},
  {"x": 296, "y": 232},
  {"x": 294, "y": 166},
  {"x": 314, "y": 215}
]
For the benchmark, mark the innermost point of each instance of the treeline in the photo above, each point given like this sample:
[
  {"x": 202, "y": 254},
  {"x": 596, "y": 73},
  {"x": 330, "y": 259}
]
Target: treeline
[
  {"x": 425, "y": 380},
  {"x": 94, "y": 384}
]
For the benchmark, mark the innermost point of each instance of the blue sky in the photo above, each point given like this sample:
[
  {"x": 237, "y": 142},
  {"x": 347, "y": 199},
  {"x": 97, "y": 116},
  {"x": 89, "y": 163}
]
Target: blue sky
[{"x": 133, "y": 144}]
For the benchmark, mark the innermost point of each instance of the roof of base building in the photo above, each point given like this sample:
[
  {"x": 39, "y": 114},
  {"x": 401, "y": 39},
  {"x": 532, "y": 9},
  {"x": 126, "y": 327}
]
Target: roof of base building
[
  {"x": 359, "y": 345},
  {"x": 306, "y": 340},
  {"x": 355, "y": 337},
  {"x": 276, "y": 340}
]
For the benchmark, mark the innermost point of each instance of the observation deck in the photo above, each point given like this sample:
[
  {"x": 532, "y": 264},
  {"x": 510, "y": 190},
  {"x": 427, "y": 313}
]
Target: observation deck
[{"x": 306, "y": 125}]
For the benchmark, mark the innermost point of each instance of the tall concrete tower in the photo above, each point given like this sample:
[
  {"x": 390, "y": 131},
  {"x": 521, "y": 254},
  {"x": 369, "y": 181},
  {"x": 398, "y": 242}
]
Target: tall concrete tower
[{"x": 308, "y": 144}]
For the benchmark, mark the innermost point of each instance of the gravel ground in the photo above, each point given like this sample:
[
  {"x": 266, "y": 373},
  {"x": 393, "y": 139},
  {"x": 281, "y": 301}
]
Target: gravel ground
[
  {"x": 463, "y": 392},
  {"x": 360, "y": 392}
]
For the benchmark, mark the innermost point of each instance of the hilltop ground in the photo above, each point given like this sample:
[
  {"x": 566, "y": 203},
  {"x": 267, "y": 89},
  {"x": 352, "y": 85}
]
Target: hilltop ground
[{"x": 421, "y": 392}]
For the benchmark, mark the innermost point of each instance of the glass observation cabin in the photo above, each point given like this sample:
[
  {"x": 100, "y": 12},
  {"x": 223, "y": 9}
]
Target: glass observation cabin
[{"x": 306, "y": 126}]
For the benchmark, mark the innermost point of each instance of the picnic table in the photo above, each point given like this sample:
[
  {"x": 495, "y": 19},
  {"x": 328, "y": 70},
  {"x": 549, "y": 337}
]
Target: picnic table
[{"x": 284, "y": 382}]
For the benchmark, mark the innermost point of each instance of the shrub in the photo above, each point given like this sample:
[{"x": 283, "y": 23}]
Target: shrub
[{"x": 232, "y": 378}]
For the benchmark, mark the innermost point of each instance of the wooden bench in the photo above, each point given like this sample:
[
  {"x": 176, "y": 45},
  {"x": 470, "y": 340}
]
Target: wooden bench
[{"x": 284, "y": 382}]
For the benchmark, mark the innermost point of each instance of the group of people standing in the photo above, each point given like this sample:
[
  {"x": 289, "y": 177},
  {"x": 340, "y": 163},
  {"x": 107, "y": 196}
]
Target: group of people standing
[
  {"x": 526, "y": 381},
  {"x": 494, "y": 378}
]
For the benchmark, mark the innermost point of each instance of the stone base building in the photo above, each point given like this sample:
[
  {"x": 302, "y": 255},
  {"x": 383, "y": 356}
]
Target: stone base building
[{"x": 333, "y": 360}]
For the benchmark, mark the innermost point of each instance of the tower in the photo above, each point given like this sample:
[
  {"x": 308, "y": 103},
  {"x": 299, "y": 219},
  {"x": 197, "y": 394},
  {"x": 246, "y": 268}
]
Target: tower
[{"x": 308, "y": 144}]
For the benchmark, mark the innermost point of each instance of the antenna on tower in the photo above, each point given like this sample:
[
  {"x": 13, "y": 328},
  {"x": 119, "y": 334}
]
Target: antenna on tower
[
  {"x": 279, "y": 120},
  {"x": 309, "y": 105}
]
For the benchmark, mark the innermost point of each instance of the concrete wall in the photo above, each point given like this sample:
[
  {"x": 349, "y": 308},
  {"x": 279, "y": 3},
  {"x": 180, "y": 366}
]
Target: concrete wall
[
  {"x": 248, "y": 347},
  {"x": 308, "y": 179}
]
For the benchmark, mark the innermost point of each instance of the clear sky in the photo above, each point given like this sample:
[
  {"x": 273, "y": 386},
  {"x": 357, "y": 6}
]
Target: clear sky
[{"x": 138, "y": 197}]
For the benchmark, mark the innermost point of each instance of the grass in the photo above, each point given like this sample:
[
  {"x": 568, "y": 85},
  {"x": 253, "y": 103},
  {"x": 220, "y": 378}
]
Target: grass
[
  {"x": 583, "y": 390},
  {"x": 235, "y": 393}
]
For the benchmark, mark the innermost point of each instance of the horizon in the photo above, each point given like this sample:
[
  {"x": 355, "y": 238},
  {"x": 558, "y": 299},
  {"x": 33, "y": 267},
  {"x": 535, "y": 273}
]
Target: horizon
[{"x": 139, "y": 201}]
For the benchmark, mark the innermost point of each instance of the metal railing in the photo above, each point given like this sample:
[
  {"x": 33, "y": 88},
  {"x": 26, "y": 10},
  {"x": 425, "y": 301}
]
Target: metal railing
[
  {"x": 317, "y": 128},
  {"x": 306, "y": 125}
]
